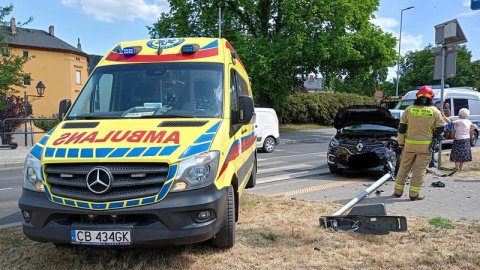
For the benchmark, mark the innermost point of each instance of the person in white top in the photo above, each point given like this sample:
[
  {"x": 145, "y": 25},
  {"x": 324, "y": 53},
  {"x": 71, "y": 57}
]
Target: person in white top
[{"x": 461, "y": 150}]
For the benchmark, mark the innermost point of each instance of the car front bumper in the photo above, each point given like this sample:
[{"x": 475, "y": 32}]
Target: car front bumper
[{"x": 172, "y": 221}]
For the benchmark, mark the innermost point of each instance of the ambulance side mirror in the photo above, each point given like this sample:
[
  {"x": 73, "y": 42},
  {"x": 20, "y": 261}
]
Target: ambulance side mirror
[
  {"x": 63, "y": 108},
  {"x": 245, "y": 109}
]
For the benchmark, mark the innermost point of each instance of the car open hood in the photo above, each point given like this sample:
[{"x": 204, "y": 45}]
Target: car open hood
[{"x": 364, "y": 114}]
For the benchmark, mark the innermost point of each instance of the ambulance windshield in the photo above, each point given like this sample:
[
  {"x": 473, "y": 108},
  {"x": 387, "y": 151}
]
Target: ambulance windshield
[{"x": 152, "y": 90}]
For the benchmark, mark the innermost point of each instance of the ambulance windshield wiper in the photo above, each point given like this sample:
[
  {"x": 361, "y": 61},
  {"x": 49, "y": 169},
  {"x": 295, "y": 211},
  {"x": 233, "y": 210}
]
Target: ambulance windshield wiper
[
  {"x": 89, "y": 117},
  {"x": 168, "y": 116}
]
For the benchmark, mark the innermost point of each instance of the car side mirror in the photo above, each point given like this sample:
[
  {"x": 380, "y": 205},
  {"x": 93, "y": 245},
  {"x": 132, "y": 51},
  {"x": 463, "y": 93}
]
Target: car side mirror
[
  {"x": 63, "y": 108},
  {"x": 246, "y": 110}
]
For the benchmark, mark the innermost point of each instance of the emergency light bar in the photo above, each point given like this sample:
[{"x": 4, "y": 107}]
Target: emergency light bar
[
  {"x": 130, "y": 51},
  {"x": 190, "y": 48}
]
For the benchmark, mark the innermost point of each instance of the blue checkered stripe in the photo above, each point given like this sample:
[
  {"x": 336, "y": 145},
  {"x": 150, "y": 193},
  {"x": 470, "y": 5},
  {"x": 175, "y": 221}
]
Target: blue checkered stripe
[
  {"x": 118, "y": 204},
  {"x": 110, "y": 152},
  {"x": 37, "y": 149},
  {"x": 202, "y": 143}
]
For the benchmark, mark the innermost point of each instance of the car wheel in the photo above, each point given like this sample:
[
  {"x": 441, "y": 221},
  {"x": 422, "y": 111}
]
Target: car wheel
[
  {"x": 225, "y": 238},
  {"x": 252, "y": 181},
  {"x": 334, "y": 169},
  {"x": 269, "y": 144},
  {"x": 473, "y": 138}
]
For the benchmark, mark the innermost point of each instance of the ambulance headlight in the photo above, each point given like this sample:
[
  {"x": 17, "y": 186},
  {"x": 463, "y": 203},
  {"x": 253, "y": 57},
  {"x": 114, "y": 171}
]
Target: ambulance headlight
[
  {"x": 32, "y": 175},
  {"x": 196, "y": 172}
]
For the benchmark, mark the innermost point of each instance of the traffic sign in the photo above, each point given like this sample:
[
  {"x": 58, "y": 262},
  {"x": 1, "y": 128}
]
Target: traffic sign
[{"x": 475, "y": 4}]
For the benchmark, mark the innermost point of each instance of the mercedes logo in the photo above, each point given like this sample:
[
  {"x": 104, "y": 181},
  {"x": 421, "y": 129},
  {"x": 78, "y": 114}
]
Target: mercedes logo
[
  {"x": 360, "y": 147},
  {"x": 99, "y": 180}
]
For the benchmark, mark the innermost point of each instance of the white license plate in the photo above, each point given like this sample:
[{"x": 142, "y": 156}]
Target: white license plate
[{"x": 88, "y": 237}]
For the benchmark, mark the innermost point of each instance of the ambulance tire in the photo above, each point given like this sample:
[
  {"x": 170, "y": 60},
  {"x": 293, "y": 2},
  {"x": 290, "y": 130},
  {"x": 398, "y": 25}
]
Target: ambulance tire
[
  {"x": 252, "y": 181},
  {"x": 225, "y": 238}
]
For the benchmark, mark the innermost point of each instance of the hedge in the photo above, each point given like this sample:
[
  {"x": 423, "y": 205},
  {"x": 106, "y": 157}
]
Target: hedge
[{"x": 318, "y": 107}]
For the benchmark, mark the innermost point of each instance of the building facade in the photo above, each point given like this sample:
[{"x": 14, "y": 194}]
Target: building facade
[{"x": 61, "y": 67}]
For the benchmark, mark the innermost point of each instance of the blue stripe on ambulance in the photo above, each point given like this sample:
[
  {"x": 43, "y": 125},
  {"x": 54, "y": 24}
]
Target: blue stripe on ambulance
[{"x": 202, "y": 143}]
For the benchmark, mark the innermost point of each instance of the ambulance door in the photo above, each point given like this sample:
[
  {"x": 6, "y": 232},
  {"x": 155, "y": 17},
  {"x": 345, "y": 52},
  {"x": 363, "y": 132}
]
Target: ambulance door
[{"x": 237, "y": 130}]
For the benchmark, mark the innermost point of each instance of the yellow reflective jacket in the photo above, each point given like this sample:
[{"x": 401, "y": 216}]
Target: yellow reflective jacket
[{"x": 421, "y": 121}]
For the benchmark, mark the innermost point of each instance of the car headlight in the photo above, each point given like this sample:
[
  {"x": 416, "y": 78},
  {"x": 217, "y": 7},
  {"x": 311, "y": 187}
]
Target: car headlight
[
  {"x": 32, "y": 175},
  {"x": 196, "y": 172},
  {"x": 334, "y": 143}
]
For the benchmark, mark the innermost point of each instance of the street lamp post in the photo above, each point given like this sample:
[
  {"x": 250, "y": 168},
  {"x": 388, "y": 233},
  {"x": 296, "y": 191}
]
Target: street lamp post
[
  {"x": 40, "y": 91},
  {"x": 399, "y": 45},
  {"x": 220, "y": 5}
]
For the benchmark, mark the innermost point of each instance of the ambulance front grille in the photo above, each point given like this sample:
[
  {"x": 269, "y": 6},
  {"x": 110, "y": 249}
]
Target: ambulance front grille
[{"x": 130, "y": 180}]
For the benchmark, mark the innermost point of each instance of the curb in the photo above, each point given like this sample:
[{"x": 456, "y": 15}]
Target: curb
[{"x": 11, "y": 165}]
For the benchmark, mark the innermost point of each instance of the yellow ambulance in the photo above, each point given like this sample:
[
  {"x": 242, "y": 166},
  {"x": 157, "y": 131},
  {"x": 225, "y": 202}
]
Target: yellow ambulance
[{"x": 156, "y": 150}]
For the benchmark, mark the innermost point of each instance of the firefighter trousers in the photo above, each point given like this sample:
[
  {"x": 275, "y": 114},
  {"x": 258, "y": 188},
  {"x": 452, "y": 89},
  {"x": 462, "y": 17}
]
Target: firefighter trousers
[{"x": 417, "y": 161}]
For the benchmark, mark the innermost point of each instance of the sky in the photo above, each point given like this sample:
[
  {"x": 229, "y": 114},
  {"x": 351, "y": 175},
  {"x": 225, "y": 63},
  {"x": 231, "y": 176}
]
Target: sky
[{"x": 100, "y": 24}]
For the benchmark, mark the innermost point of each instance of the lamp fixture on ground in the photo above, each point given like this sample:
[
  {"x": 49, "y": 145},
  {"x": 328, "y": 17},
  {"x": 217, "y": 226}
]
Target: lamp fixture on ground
[
  {"x": 28, "y": 107},
  {"x": 399, "y": 45}
]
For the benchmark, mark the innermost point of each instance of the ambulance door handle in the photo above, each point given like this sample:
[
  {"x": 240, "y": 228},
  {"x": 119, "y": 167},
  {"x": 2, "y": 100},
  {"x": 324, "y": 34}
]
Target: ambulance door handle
[{"x": 244, "y": 130}]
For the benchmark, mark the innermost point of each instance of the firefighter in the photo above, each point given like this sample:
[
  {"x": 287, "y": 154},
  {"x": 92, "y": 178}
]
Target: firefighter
[{"x": 420, "y": 126}]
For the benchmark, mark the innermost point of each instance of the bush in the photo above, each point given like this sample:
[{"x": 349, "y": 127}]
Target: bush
[
  {"x": 319, "y": 107},
  {"x": 14, "y": 108},
  {"x": 46, "y": 125}
]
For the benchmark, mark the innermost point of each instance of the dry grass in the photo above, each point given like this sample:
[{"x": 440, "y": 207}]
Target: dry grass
[
  {"x": 277, "y": 233},
  {"x": 471, "y": 170},
  {"x": 272, "y": 233}
]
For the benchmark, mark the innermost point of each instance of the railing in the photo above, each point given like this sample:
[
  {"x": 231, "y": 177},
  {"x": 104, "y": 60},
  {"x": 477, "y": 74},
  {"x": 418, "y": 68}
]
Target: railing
[{"x": 7, "y": 136}]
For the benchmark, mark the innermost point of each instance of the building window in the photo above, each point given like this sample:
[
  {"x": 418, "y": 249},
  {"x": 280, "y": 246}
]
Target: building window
[
  {"x": 25, "y": 54},
  {"x": 26, "y": 79},
  {"x": 78, "y": 77},
  {"x": 5, "y": 52}
]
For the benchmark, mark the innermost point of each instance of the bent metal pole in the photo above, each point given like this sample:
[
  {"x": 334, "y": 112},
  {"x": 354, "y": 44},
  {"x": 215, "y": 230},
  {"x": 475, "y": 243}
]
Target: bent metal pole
[{"x": 363, "y": 194}]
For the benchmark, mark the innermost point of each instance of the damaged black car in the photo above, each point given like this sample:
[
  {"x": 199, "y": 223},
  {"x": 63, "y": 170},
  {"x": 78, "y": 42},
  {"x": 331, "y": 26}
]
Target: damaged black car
[{"x": 366, "y": 140}]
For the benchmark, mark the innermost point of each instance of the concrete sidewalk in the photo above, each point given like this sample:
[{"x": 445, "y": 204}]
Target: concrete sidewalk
[{"x": 13, "y": 157}]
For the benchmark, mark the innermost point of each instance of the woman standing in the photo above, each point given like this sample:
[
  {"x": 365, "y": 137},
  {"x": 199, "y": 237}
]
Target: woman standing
[{"x": 461, "y": 151}]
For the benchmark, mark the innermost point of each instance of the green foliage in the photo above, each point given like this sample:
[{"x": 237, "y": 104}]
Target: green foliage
[
  {"x": 46, "y": 125},
  {"x": 440, "y": 222},
  {"x": 279, "y": 39},
  {"x": 318, "y": 107},
  {"x": 11, "y": 65}
]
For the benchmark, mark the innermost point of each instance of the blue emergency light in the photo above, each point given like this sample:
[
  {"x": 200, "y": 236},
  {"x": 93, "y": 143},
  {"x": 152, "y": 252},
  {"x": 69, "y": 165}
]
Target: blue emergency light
[
  {"x": 130, "y": 51},
  {"x": 190, "y": 48}
]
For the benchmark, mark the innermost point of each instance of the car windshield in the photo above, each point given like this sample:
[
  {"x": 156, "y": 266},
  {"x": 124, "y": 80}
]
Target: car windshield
[
  {"x": 153, "y": 90},
  {"x": 368, "y": 128},
  {"x": 404, "y": 103}
]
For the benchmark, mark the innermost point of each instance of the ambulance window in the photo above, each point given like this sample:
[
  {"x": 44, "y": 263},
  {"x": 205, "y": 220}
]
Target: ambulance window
[
  {"x": 474, "y": 106},
  {"x": 459, "y": 103},
  {"x": 103, "y": 93},
  {"x": 233, "y": 97}
]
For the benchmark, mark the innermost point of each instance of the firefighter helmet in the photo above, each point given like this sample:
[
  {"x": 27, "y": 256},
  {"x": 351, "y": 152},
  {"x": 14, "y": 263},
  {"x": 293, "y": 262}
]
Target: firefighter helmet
[{"x": 425, "y": 91}]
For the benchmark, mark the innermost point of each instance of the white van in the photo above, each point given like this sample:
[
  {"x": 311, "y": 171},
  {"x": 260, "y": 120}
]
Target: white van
[
  {"x": 266, "y": 129},
  {"x": 458, "y": 97}
]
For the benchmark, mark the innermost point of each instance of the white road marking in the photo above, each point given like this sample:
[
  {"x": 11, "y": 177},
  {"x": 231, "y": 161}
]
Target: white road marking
[
  {"x": 2, "y": 189},
  {"x": 290, "y": 176},
  {"x": 283, "y": 168}
]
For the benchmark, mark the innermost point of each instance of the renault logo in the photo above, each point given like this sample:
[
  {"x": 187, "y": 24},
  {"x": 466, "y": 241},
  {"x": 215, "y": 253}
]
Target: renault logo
[
  {"x": 99, "y": 180},
  {"x": 360, "y": 147}
]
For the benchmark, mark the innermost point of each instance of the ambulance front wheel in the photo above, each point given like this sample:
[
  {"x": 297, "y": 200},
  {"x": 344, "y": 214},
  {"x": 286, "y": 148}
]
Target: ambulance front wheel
[{"x": 225, "y": 238}]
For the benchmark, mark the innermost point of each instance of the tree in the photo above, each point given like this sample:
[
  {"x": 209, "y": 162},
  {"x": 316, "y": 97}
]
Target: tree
[
  {"x": 11, "y": 65},
  {"x": 419, "y": 65},
  {"x": 278, "y": 39},
  {"x": 15, "y": 108}
]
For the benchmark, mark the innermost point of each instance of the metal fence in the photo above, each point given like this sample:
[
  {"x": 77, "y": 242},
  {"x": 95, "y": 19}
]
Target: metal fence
[{"x": 28, "y": 131}]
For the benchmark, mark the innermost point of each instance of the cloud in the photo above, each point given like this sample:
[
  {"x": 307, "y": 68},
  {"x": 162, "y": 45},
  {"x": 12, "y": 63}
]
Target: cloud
[
  {"x": 468, "y": 13},
  {"x": 386, "y": 24},
  {"x": 121, "y": 10}
]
